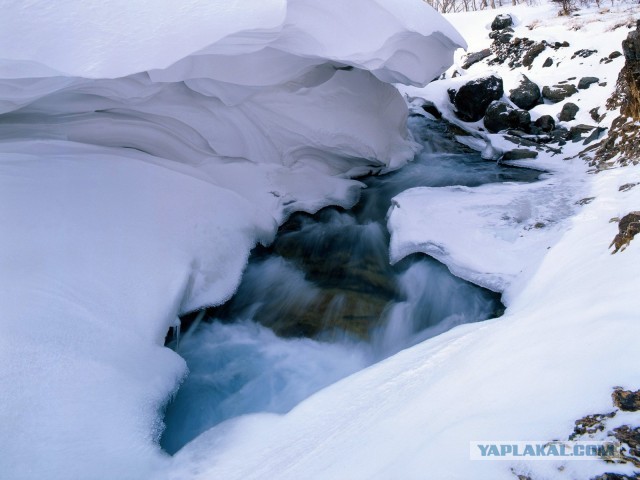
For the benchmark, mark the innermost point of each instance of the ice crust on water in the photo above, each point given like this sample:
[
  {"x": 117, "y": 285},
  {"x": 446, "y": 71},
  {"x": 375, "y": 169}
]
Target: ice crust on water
[{"x": 144, "y": 148}]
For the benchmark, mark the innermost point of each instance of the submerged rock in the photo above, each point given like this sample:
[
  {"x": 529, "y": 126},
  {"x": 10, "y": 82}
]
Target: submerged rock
[{"x": 519, "y": 154}]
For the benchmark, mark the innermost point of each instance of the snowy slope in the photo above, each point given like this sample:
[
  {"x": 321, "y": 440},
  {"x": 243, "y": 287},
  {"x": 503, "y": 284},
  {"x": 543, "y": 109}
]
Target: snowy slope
[
  {"x": 565, "y": 341},
  {"x": 145, "y": 148},
  {"x": 509, "y": 228},
  {"x": 568, "y": 337}
]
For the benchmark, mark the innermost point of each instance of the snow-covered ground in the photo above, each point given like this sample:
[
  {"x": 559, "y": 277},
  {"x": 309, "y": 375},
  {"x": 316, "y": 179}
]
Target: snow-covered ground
[
  {"x": 122, "y": 207},
  {"x": 568, "y": 337}
]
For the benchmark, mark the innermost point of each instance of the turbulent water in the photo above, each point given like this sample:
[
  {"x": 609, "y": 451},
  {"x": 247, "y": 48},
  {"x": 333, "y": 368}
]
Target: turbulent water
[{"x": 336, "y": 305}]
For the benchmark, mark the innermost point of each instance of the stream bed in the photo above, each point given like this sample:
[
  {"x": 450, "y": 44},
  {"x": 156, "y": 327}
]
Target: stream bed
[{"x": 323, "y": 301}]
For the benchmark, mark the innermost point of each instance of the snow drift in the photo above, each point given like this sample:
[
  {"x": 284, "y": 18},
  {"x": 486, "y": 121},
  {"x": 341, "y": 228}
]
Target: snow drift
[{"x": 144, "y": 148}]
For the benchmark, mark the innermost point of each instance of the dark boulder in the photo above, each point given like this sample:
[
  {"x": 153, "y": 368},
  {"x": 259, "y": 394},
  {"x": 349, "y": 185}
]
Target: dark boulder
[
  {"x": 568, "y": 112},
  {"x": 526, "y": 95},
  {"x": 559, "y": 135},
  {"x": 504, "y": 38},
  {"x": 473, "y": 98},
  {"x": 614, "y": 54},
  {"x": 547, "y": 63},
  {"x": 631, "y": 45},
  {"x": 546, "y": 123},
  {"x": 501, "y": 116},
  {"x": 501, "y": 21},
  {"x": 532, "y": 53},
  {"x": 519, "y": 154},
  {"x": 473, "y": 58},
  {"x": 558, "y": 93},
  {"x": 431, "y": 109},
  {"x": 596, "y": 134},
  {"x": 577, "y": 132},
  {"x": 586, "y": 82}
]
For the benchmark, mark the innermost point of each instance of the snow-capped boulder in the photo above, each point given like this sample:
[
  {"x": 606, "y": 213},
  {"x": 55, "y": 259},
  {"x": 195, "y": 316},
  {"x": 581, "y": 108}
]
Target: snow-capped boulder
[
  {"x": 501, "y": 116},
  {"x": 558, "y": 93},
  {"x": 501, "y": 22},
  {"x": 526, "y": 95},
  {"x": 472, "y": 99},
  {"x": 586, "y": 82}
]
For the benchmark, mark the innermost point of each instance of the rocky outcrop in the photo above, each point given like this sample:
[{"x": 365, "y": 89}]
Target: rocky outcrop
[
  {"x": 501, "y": 116},
  {"x": 608, "y": 429},
  {"x": 622, "y": 144},
  {"x": 526, "y": 95},
  {"x": 628, "y": 228},
  {"x": 626, "y": 400},
  {"x": 473, "y": 98},
  {"x": 517, "y": 52}
]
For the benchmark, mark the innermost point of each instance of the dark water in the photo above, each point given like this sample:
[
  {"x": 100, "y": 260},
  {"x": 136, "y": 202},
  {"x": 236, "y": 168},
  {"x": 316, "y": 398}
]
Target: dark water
[{"x": 323, "y": 301}]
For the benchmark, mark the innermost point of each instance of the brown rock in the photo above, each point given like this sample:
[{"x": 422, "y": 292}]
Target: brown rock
[
  {"x": 626, "y": 400},
  {"x": 628, "y": 227}
]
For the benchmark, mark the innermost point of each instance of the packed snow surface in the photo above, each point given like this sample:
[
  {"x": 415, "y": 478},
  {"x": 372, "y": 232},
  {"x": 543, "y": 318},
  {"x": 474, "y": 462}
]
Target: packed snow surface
[{"x": 145, "y": 147}]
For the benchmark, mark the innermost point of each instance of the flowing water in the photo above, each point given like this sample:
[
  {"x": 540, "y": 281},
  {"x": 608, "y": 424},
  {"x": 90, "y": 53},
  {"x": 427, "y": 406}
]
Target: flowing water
[{"x": 323, "y": 301}]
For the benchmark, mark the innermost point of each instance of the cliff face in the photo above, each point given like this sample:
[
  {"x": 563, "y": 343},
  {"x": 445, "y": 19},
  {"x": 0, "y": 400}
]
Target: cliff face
[
  {"x": 629, "y": 80},
  {"x": 621, "y": 146}
]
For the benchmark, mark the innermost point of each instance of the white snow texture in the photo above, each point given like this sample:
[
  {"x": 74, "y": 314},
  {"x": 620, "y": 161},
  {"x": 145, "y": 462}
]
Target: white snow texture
[{"x": 145, "y": 147}]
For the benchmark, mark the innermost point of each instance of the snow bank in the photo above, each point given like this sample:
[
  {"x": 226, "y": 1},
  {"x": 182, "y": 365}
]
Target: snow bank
[
  {"x": 566, "y": 340},
  {"x": 144, "y": 148},
  {"x": 552, "y": 359},
  {"x": 490, "y": 235}
]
